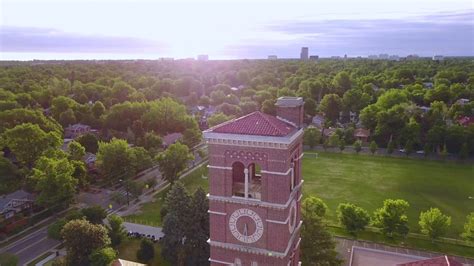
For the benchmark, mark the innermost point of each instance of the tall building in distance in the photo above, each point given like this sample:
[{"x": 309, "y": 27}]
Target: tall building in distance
[
  {"x": 203, "y": 57},
  {"x": 304, "y": 55},
  {"x": 272, "y": 57},
  {"x": 255, "y": 187}
]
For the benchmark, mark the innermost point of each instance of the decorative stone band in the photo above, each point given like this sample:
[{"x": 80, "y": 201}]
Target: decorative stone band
[
  {"x": 260, "y": 251},
  {"x": 219, "y": 167},
  {"x": 251, "y": 140},
  {"x": 252, "y": 202},
  {"x": 221, "y": 262},
  {"x": 263, "y": 171},
  {"x": 279, "y": 222},
  {"x": 217, "y": 213}
]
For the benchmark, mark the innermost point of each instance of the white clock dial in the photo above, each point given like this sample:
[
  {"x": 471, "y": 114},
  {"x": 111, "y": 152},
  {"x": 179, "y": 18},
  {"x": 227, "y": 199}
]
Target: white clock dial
[{"x": 246, "y": 226}]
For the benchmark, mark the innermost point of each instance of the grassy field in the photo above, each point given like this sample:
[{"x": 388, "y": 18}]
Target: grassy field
[
  {"x": 366, "y": 181},
  {"x": 150, "y": 212},
  {"x": 128, "y": 251}
]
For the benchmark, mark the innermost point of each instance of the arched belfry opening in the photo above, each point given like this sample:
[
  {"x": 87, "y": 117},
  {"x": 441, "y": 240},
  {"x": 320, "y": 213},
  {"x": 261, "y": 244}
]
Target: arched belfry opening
[
  {"x": 238, "y": 179},
  {"x": 255, "y": 181}
]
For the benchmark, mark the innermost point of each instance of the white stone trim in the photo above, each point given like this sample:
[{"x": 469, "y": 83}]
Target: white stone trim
[
  {"x": 259, "y": 251},
  {"x": 217, "y": 213},
  {"x": 301, "y": 156},
  {"x": 276, "y": 173},
  {"x": 219, "y": 167},
  {"x": 251, "y": 140},
  {"x": 221, "y": 262},
  {"x": 279, "y": 222},
  {"x": 286, "y": 121},
  {"x": 253, "y": 202},
  {"x": 300, "y": 197}
]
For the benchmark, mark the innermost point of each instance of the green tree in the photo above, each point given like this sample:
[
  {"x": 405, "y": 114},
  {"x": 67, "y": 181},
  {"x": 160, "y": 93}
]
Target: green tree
[
  {"x": 89, "y": 142},
  {"x": 116, "y": 160},
  {"x": 352, "y": 217},
  {"x": 390, "y": 147},
  {"x": 392, "y": 218},
  {"x": 8, "y": 259},
  {"x": 176, "y": 223},
  {"x": 94, "y": 214},
  {"x": 342, "y": 144},
  {"x": 331, "y": 105},
  {"x": 217, "y": 119},
  {"x": 192, "y": 136},
  {"x": 314, "y": 205},
  {"x": 116, "y": 230},
  {"x": 81, "y": 239},
  {"x": 141, "y": 159},
  {"x": 464, "y": 152},
  {"x": 317, "y": 244},
  {"x": 152, "y": 142},
  {"x": 103, "y": 257},
  {"x": 76, "y": 151},
  {"x": 53, "y": 178},
  {"x": 28, "y": 142},
  {"x": 434, "y": 223},
  {"x": 98, "y": 109},
  {"x": 146, "y": 251},
  {"x": 174, "y": 160},
  {"x": 468, "y": 232},
  {"x": 311, "y": 137},
  {"x": 342, "y": 82},
  {"x": 373, "y": 147},
  {"x": 54, "y": 230},
  {"x": 197, "y": 248},
  {"x": 67, "y": 118},
  {"x": 268, "y": 107},
  {"x": 358, "y": 146}
]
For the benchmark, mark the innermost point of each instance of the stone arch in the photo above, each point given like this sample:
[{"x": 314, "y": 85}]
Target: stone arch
[
  {"x": 255, "y": 181},
  {"x": 238, "y": 179}
]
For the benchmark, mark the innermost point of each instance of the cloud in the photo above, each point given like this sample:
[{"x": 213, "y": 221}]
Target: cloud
[
  {"x": 31, "y": 39},
  {"x": 442, "y": 33}
]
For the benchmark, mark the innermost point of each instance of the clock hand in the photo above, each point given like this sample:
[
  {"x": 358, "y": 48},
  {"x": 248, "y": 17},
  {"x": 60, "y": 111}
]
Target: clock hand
[{"x": 245, "y": 230}]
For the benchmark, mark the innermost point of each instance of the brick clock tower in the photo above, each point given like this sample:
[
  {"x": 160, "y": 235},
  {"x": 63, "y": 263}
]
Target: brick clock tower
[{"x": 255, "y": 187}]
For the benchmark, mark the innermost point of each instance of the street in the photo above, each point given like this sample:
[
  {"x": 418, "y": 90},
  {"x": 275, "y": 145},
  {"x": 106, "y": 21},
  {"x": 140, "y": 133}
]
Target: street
[{"x": 31, "y": 246}]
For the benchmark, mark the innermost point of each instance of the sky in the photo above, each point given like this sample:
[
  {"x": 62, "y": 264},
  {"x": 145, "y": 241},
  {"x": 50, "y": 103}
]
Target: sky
[{"x": 140, "y": 29}]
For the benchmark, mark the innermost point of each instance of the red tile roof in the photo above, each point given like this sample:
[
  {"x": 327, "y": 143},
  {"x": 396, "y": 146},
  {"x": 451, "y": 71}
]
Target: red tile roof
[
  {"x": 438, "y": 261},
  {"x": 256, "y": 123}
]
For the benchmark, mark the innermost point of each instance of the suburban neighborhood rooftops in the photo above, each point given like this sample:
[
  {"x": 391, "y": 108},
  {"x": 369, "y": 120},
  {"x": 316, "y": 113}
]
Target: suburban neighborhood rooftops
[
  {"x": 361, "y": 132},
  {"x": 171, "y": 138},
  {"x": 256, "y": 123}
]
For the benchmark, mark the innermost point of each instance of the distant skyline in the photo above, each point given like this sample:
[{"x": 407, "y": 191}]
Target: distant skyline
[{"x": 109, "y": 29}]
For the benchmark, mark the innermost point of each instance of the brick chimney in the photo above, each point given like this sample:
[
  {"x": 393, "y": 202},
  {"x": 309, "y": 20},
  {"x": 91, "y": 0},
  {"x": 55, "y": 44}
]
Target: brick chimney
[{"x": 291, "y": 110}]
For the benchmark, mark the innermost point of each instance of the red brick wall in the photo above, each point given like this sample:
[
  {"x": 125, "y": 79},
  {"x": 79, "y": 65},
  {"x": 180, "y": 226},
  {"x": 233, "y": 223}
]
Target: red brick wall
[{"x": 292, "y": 114}]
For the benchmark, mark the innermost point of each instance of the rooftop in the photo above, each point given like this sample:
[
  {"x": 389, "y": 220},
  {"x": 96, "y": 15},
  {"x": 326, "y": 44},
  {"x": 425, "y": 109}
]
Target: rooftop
[
  {"x": 287, "y": 101},
  {"x": 256, "y": 123}
]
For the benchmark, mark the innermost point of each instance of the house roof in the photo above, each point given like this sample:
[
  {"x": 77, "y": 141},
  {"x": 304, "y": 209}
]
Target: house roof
[
  {"x": 256, "y": 123},
  {"x": 438, "y": 261},
  {"x": 171, "y": 138},
  {"x": 77, "y": 126},
  {"x": 361, "y": 133},
  {"x": 20, "y": 194}
]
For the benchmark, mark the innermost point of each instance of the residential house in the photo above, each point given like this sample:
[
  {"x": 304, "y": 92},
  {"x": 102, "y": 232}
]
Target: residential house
[
  {"x": 362, "y": 134},
  {"x": 463, "y": 101},
  {"x": 171, "y": 139},
  {"x": 328, "y": 132},
  {"x": 89, "y": 159},
  {"x": 76, "y": 130},
  {"x": 15, "y": 202},
  {"x": 465, "y": 121},
  {"x": 318, "y": 120},
  {"x": 425, "y": 109},
  {"x": 428, "y": 85}
]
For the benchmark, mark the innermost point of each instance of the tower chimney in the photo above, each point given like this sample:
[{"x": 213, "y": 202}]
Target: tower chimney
[{"x": 291, "y": 110}]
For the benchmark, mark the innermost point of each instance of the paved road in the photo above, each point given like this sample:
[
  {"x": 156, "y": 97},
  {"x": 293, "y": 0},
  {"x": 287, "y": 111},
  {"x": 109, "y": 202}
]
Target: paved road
[
  {"x": 144, "y": 229},
  {"x": 31, "y": 246}
]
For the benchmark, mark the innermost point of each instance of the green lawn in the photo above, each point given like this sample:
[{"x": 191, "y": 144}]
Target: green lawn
[
  {"x": 128, "y": 251},
  {"x": 366, "y": 181},
  {"x": 150, "y": 212}
]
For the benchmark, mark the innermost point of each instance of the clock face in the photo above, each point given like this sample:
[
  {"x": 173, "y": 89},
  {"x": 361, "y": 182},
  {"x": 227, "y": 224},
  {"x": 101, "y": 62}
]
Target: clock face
[{"x": 246, "y": 226}]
